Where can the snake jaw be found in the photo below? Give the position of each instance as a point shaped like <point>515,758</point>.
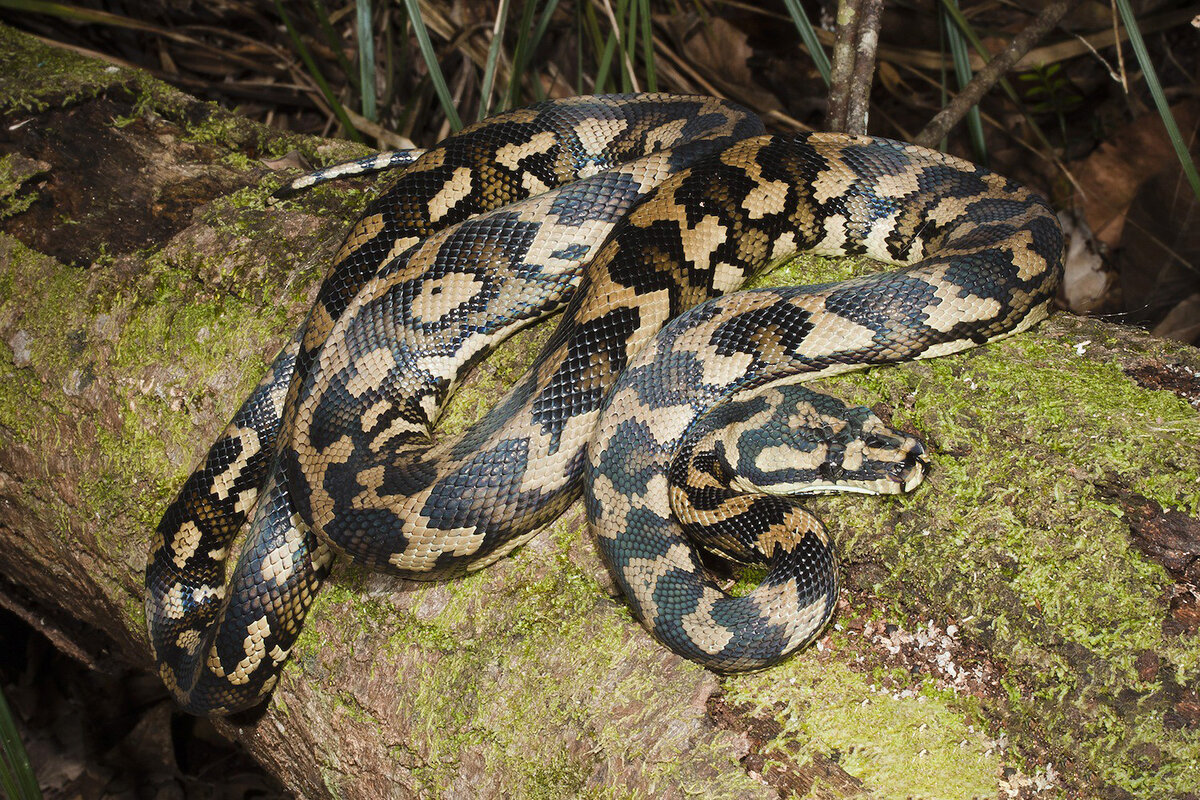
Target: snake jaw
<point>914,469</point>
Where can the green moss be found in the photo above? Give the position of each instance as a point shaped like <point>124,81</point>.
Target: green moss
<point>806,268</point>
<point>1010,530</point>
<point>237,138</point>
<point>333,782</point>
<point>513,679</point>
<point>82,327</point>
<point>20,392</point>
<point>54,338</point>
<point>492,378</point>
<point>36,75</point>
<point>900,744</point>
<point>12,175</point>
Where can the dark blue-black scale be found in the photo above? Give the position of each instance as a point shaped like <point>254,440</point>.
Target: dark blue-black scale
<point>937,181</point>
<point>877,305</point>
<point>671,383</point>
<point>603,197</point>
<point>482,481</point>
<point>599,341</point>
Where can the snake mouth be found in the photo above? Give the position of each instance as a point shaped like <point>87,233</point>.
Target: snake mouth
<point>838,488</point>
<point>914,469</point>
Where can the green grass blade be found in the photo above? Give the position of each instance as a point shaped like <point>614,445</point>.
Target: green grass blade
<point>964,27</point>
<point>543,24</point>
<point>648,46</point>
<point>606,49</point>
<point>520,57</point>
<point>389,66</point>
<point>74,13</point>
<point>311,65</point>
<point>8,779</point>
<point>366,58</point>
<point>333,40</point>
<point>605,62</point>
<point>629,36</point>
<point>962,70</point>
<point>431,63</point>
<point>579,34</point>
<point>16,774</point>
<point>809,36</point>
<point>618,37</point>
<point>600,45</point>
<point>613,47</point>
<point>1156,91</point>
<point>489,71</point>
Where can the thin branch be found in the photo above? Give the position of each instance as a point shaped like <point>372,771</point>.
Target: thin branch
<point>987,77</point>
<point>848,15</point>
<point>858,100</point>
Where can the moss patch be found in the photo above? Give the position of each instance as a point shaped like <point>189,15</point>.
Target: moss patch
<point>36,76</point>
<point>900,744</point>
<point>1010,536</point>
<point>523,679</point>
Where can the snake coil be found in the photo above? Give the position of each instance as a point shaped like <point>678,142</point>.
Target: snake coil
<point>626,212</point>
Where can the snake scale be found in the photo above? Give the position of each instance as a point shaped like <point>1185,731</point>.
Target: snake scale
<point>629,213</point>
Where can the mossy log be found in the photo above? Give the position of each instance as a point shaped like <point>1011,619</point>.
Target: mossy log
<point>1025,620</point>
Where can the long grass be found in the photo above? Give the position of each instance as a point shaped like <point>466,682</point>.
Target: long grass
<point>808,35</point>
<point>1156,91</point>
<point>17,780</point>
<point>617,46</point>
<point>433,64</point>
<point>956,38</point>
<point>302,50</point>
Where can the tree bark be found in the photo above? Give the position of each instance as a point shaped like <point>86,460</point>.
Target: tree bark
<point>1018,604</point>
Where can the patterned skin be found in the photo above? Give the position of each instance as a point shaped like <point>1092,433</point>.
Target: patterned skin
<point>984,260</point>
<point>675,201</point>
<point>219,646</point>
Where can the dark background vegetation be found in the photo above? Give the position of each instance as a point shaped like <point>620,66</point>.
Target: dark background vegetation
<point>1075,117</point>
<point>1076,120</point>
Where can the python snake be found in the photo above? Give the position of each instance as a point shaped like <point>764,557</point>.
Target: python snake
<point>625,212</point>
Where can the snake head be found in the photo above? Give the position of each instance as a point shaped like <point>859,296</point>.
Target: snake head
<point>803,442</point>
<point>874,458</point>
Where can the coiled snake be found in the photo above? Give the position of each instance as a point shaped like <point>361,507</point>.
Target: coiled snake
<point>628,211</point>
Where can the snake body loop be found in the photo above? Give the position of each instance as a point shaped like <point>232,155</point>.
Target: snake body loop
<point>629,211</point>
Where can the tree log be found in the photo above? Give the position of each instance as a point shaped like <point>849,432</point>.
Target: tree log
<point>1028,615</point>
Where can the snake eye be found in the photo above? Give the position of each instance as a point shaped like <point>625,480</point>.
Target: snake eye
<point>878,441</point>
